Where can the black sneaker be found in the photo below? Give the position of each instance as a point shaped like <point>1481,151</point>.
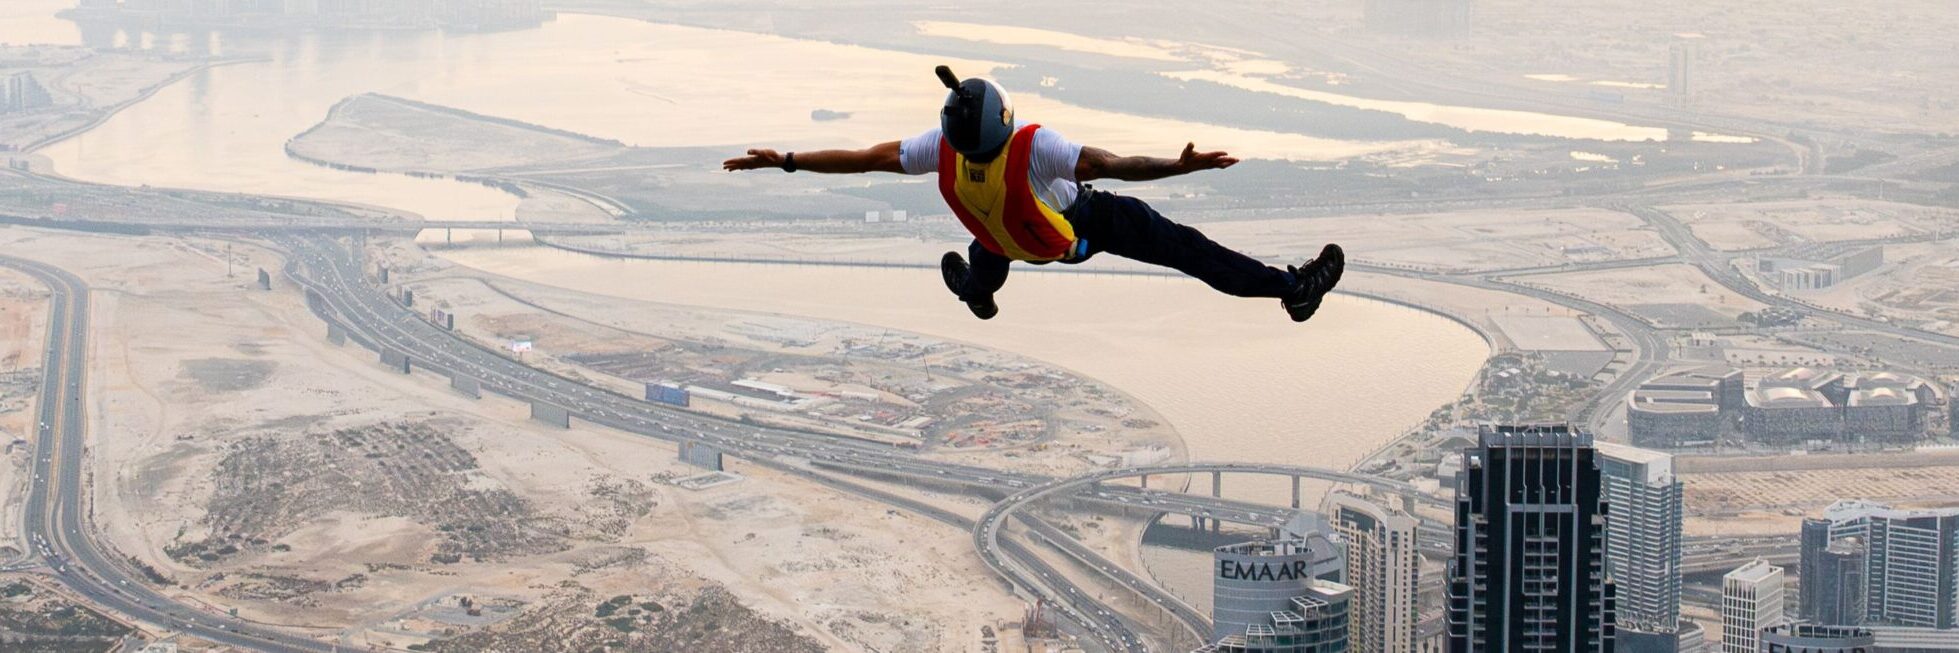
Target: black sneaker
<point>1314,280</point>
<point>953,267</point>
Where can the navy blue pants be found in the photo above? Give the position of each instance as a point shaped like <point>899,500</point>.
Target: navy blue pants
<point>1126,227</point>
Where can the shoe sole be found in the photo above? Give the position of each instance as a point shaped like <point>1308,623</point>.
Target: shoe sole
<point>948,264</point>
<point>1336,257</point>
<point>953,270</point>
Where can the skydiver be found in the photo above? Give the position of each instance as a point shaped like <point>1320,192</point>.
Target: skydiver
<point>1020,189</point>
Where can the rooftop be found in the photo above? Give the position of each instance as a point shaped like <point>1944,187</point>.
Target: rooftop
<point>1643,403</point>
<point>1632,454</point>
<point>1852,509</point>
<point>1754,572</point>
<point>1796,374</point>
<point>1786,397</point>
<point>1532,435</point>
<point>1882,397</point>
<point>1676,396</point>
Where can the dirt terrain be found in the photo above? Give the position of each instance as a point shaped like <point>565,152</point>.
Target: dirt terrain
<point>35,618</point>
<point>243,462</point>
<point>23,321</point>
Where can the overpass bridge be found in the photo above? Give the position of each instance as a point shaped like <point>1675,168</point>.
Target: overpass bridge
<point>988,542</point>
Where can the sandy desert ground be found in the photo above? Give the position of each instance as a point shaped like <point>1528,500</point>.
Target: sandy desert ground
<point>1737,226</point>
<point>23,325</point>
<point>1675,294</point>
<point>1919,283</point>
<point>255,466</point>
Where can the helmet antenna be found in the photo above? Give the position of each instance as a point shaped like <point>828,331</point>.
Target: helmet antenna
<point>946,77</point>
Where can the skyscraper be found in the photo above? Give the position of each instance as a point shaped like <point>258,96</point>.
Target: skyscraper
<point>1911,573</point>
<point>1751,600</point>
<point>1643,536</point>
<point>1841,591</point>
<point>1529,569</point>
<point>1274,597</point>
<point>1383,567</point>
<point>1832,574</point>
<point>21,92</point>
<point>1813,540</point>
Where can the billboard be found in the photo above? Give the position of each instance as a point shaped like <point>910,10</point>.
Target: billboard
<point>668,394</point>
<point>468,386</point>
<point>549,414</point>
<point>701,455</point>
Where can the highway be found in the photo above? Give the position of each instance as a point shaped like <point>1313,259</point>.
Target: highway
<point>337,289</point>
<point>1719,267</point>
<point>340,294</point>
<point>1192,620</point>
<point>1651,349</point>
<point>1091,610</point>
<point>988,535</point>
<point>56,515</point>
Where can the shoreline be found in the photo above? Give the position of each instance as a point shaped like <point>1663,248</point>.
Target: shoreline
<point>292,152</point>
<point>490,278</point>
<point>1139,544</point>
<point>1490,341</point>
<point>145,94</point>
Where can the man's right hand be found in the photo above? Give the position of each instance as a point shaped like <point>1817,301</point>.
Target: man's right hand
<point>755,159</point>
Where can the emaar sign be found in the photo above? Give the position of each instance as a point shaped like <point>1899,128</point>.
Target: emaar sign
<point>1264,571</point>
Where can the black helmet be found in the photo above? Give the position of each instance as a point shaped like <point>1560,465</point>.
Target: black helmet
<point>978,117</point>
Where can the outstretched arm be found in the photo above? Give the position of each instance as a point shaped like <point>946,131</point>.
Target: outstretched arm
<point>1097,163</point>
<point>882,157</point>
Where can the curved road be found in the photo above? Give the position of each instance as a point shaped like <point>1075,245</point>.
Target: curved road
<point>342,297</point>
<point>56,517</point>
<point>988,541</point>
<point>345,299</point>
<point>1718,266</point>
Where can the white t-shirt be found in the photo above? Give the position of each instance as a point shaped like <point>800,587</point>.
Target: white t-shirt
<point>1051,173</point>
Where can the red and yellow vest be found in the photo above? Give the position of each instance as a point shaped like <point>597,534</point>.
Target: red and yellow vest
<point>996,201</point>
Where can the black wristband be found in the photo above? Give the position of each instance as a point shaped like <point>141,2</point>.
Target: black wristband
<point>789,162</point>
